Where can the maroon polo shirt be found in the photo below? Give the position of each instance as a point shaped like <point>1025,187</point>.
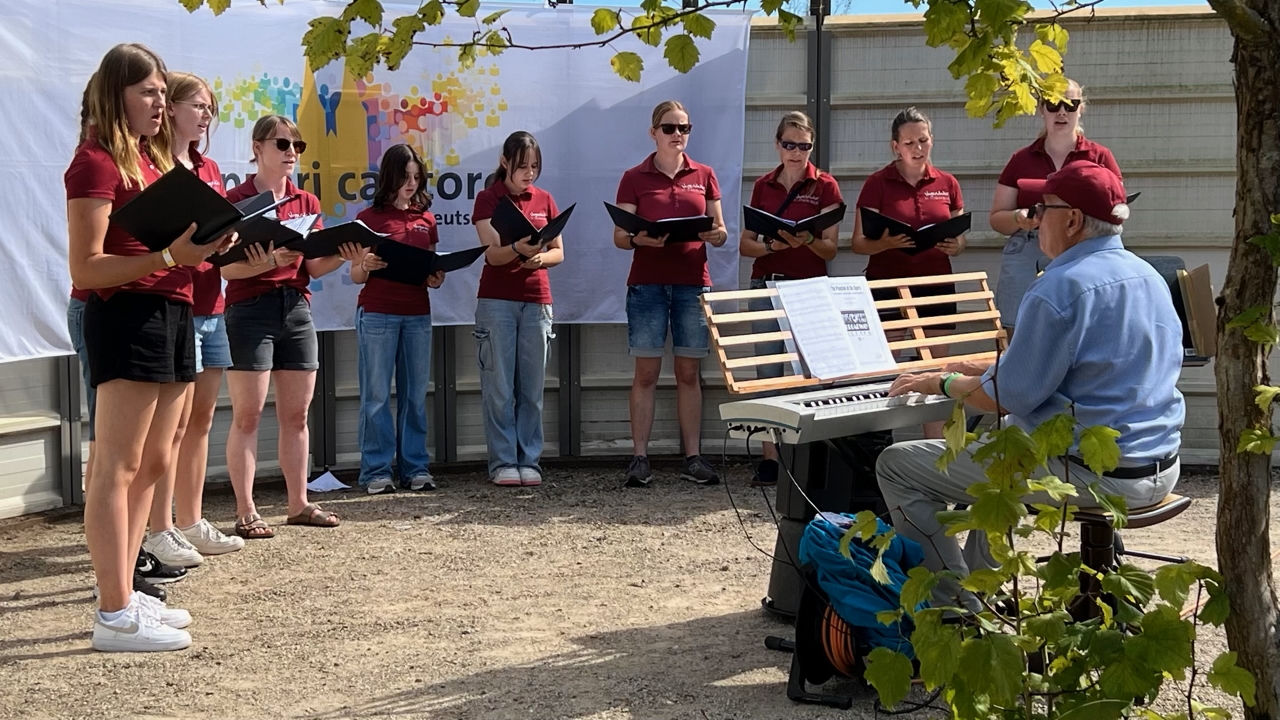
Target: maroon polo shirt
<point>1033,162</point>
<point>934,199</point>
<point>293,275</point>
<point>93,174</point>
<point>414,227</point>
<point>206,278</point>
<point>513,281</point>
<point>818,190</point>
<point>659,197</point>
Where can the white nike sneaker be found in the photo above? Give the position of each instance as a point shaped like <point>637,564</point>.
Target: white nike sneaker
<point>171,548</point>
<point>173,617</point>
<point>137,630</point>
<point>209,540</point>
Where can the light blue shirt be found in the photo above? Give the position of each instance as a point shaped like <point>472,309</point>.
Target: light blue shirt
<point>1097,329</point>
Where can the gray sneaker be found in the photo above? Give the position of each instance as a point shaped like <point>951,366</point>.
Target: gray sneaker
<point>638,472</point>
<point>379,486</point>
<point>422,482</point>
<point>697,470</point>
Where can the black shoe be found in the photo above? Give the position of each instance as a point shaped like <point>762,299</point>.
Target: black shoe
<point>638,472</point>
<point>766,474</point>
<point>141,585</point>
<point>697,470</point>
<point>153,571</point>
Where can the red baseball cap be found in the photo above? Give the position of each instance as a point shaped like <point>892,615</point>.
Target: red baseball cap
<point>1086,186</point>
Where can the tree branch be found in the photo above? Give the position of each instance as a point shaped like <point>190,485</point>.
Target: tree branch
<point>1245,23</point>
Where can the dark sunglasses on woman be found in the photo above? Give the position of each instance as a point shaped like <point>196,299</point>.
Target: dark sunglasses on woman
<point>299,146</point>
<point>1069,105</point>
<point>788,145</point>
<point>672,128</point>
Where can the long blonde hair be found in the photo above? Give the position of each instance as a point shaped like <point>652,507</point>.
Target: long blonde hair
<point>125,65</point>
<point>182,87</point>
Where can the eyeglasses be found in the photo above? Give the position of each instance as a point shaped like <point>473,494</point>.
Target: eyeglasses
<point>673,128</point>
<point>1039,208</point>
<point>1068,105</point>
<point>299,146</point>
<point>201,108</point>
<point>788,145</point>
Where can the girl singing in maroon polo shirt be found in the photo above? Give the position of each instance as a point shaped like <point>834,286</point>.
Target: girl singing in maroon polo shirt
<point>912,191</point>
<point>138,337</point>
<point>513,316</point>
<point>795,190</point>
<point>393,329</point>
<point>1061,141</point>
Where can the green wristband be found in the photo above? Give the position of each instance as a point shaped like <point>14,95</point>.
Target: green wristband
<point>946,383</point>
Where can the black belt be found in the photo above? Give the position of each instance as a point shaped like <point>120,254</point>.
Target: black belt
<point>1133,473</point>
<point>775,277</point>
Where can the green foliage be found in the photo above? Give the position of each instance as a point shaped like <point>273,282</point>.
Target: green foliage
<point>681,52</point>
<point>603,20</point>
<point>889,673</point>
<point>1259,441</point>
<point>1099,450</point>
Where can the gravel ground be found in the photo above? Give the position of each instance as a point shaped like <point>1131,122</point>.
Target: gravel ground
<point>573,600</point>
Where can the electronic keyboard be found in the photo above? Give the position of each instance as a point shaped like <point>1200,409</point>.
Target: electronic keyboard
<point>832,413</point>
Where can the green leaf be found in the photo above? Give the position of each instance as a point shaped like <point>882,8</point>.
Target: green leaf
<point>1130,582</point>
<point>495,42</point>
<point>1053,487</point>
<point>1216,610</point>
<point>917,588</point>
<point>651,6</point>
<point>1048,518</point>
<point>1113,504</point>
<point>1047,59</point>
<point>468,8</point>
<point>997,510</point>
<point>648,28</point>
<point>1056,435</point>
<point>1008,454</point>
<point>1174,582</point>
<point>603,20</point>
<point>1256,440</point>
<point>1050,627</point>
<point>1251,316</point>
<point>1264,334</point>
<point>981,88</point>
<point>681,53</point>
<point>1210,713</point>
<point>937,648</point>
<point>401,41</point>
<point>1104,709</point>
<point>1060,570</point>
<point>971,57</point>
<point>1269,242</point>
<point>993,663</point>
<point>889,673</point>
<point>956,435</point>
<point>789,22</point>
<point>369,11</point>
<point>879,572</point>
<point>191,5</point>
<point>467,55</point>
<point>1099,449</point>
<point>698,25</point>
<point>944,21</point>
<point>984,581</point>
<point>1165,642</point>
<point>889,617</point>
<point>1126,677</point>
<point>1233,680</point>
<point>219,6</point>
<point>1054,34</point>
<point>1266,396</point>
<point>362,54</point>
<point>771,6</point>
<point>1275,219</point>
<point>325,41</point>
<point>494,17</point>
<point>433,12</point>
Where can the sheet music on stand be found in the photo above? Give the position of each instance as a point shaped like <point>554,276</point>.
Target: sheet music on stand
<point>837,332</point>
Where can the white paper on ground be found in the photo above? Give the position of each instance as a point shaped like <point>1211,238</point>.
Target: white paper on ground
<point>326,483</point>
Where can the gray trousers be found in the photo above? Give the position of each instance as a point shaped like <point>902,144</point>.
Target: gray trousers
<point>916,492</point>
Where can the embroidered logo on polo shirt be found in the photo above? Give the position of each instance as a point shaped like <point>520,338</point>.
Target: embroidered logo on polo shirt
<point>693,187</point>
<point>938,195</point>
<point>810,198</point>
<point>539,214</point>
<point>422,227</point>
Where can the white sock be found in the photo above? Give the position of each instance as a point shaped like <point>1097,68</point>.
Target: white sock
<point>110,617</point>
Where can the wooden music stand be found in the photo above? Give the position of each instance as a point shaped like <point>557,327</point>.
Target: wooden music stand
<point>732,332</point>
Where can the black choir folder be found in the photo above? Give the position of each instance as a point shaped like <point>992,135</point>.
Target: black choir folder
<point>513,226</point>
<point>677,230</point>
<point>768,225</point>
<point>263,231</point>
<point>875,226</point>
<point>413,265</point>
<point>167,207</point>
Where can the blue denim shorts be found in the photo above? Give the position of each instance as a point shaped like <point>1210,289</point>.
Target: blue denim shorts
<point>75,326</point>
<point>213,349</point>
<point>651,309</point>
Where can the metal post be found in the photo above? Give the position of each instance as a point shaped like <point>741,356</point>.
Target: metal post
<point>818,87</point>
<point>71,465</point>
<point>444,369</point>
<point>570,397</point>
<point>324,405</point>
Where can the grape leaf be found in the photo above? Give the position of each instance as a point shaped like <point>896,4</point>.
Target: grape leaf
<point>627,65</point>
<point>1055,436</point>
<point>369,11</point>
<point>1234,680</point>
<point>698,25</point>
<point>325,41</point>
<point>1131,582</point>
<point>681,52</point>
<point>1099,449</point>
<point>468,8</point>
<point>937,647</point>
<point>1266,396</point>
<point>603,20</point>
<point>889,673</point>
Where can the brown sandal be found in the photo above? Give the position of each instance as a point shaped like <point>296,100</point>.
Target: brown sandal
<point>312,515</point>
<point>253,527</point>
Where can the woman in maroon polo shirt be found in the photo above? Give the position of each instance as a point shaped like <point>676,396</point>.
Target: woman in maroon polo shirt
<point>272,337</point>
<point>513,316</point>
<point>393,330</point>
<point>138,337</point>
<point>1061,141</point>
<point>911,190</point>
<point>665,286</point>
<point>795,190</point>
<point>180,494</point>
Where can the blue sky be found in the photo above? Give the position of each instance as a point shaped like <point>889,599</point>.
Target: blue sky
<point>876,7</point>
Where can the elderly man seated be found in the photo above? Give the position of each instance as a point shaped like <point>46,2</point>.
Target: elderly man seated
<point>1097,330</point>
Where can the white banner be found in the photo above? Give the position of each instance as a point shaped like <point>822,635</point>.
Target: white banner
<point>591,125</point>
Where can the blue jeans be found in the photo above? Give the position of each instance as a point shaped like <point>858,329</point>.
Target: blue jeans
<point>213,348</point>
<point>399,345</point>
<point>651,309</point>
<point>75,326</point>
<point>512,339</point>
<point>1019,265</point>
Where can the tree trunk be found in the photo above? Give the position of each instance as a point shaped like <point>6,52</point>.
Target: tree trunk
<point>1244,545</point>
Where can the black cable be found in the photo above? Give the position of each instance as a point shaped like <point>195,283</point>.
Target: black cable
<point>906,708</point>
<point>724,463</point>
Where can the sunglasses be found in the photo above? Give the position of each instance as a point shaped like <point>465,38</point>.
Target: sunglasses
<point>788,145</point>
<point>1038,209</point>
<point>1068,105</point>
<point>299,146</point>
<point>673,128</point>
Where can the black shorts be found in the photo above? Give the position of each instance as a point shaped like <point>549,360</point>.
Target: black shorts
<point>923,310</point>
<point>141,337</point>
<point>273,331</point>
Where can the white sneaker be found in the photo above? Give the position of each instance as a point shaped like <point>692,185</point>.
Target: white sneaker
<point>171,548</point>
<point>507,477</point>
<point>173,617</point>
<point>422,482</point>
<point>137,630</point>
<point>209,540</point>
<point>379,486</point>
<point>530,476</point>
